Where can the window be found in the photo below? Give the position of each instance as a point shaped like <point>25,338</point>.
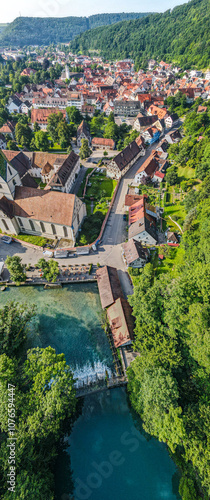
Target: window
<point>14,182</point>
<point>1,187</point>
<point>42,227</point>
<point>32,225</point>
<point>20,222</point>
<point>5,225</point>
<point>65,232</point>
<point>9,170</point>
<point>53,229</point>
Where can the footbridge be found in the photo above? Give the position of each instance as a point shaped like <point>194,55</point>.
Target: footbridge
<point>101,385</point>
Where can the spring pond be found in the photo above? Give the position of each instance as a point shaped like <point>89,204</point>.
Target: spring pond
<point>108,455</point>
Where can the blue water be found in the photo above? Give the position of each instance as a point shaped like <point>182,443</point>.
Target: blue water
<point>70,320</point>
<point>108,455</point>
<point>112,458</point>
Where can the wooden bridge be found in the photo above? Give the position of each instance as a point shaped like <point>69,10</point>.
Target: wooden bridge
<point>100,386</point>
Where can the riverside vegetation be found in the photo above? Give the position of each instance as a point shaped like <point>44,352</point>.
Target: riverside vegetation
<point>44,404</point>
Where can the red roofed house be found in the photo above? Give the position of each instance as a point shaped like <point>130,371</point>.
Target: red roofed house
<point>101,143</point>
<point>41,116</point>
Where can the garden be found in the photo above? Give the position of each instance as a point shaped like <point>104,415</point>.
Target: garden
<point>100,190</point>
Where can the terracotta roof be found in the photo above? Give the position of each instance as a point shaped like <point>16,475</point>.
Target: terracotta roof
<point>10,154</point>
<point>108,285</point>
<point>130,199</point>
<point>41,115</point>
<point>136,211</point>
<point>150,165</point>
<point>121,322</point>
<point>44,205</point>
<point>100,141</point>
<point>40,158</point>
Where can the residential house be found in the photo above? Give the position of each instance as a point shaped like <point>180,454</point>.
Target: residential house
<point>3,142</point>
<point>171,120</point>
<point>173,136</point>
<point>151,134</point>
<point>15,171</point>
<point>134,254</point>
<point>143,122</point>
<point>8,129</point>
<point>14,105</point>
<point>148,168</point>
<point>142,226</point>
<point>126,108</point>
<point>119,165</point>
<point>101,143</point>
<point>64,177</point>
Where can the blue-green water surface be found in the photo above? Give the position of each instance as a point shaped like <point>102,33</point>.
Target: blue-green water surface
<point>113,459</point>
<point>108,455</point>
<point>70,320</point>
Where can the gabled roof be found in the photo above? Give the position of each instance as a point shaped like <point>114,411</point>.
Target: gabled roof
<point>62,175</point>
<point>127,155</point>
<point>83,129</point>
<point>44,204</point>
<point>108,285</point>
<point>121,322</point>
<point>133,250</point>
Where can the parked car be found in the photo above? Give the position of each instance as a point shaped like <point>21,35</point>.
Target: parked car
<point>124,217</point>
<point>6,239</point>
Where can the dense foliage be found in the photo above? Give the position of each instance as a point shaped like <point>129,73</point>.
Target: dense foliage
<point>44,403</point>
<point>180,35</point>
<point>44,31</point>
<point>16,268</point>
<point>169,381</point>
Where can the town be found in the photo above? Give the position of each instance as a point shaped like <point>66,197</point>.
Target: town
<point>97,124</point>
<point>104,191</point>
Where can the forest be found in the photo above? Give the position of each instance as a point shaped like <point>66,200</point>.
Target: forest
<point>180,35</point>
<point>169,380</point>
<point>44,31</point>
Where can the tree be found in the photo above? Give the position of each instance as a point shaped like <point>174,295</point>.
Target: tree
<point>52,124</point>
<point>12,146</point>
<point>16,269</point>
<point>74,115</point>
<point>14,319</point>
<point>41,141</point>
<point>23,134</point>
<point>50,269</point>
<point>190,200</point>
<point>171,176</point>
<point>85,151</point>
<point>36,127</point>
<point>63,132</point>
<point>45,400</point>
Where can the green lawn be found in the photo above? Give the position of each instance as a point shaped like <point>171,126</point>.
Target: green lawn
<point>177,212</point>
<point>185,173</point>
<point>81,189</point>
<point>173,257</point>
<point>101,187</point>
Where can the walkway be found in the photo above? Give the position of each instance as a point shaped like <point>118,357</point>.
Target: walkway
<point>101,386</point>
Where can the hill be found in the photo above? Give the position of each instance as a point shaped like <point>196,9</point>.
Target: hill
<point>43,31</point>
<point>181,35</point>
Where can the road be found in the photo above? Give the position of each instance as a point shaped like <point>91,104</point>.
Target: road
<point>110,251</point>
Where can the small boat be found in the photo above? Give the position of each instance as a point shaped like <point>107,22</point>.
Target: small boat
<point>52,285</point>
